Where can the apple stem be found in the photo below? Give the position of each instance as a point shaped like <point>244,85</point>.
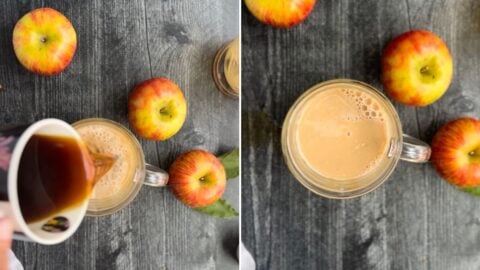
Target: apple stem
<point>474,153</point>
<point>43,39</point>
<point>426,71</point>
<point>163,111</point>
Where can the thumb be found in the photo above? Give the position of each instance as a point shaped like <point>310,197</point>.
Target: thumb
<point>6,231</point>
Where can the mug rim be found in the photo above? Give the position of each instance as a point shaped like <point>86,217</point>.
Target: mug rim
<point>299,176</point>
<point>13,180</point>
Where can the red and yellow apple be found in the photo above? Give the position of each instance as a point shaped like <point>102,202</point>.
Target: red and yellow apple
<point>44,41</point>
<point>417,68</point>
<point>197,178</point>
<point>456,152</point>
<point>280,13</point>
<point>157,109</point>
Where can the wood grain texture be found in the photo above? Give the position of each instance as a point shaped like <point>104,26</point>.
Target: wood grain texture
<point>120,44</point>
<point>415,220</point>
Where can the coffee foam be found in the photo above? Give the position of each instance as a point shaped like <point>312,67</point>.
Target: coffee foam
<point>102,138</point>
<point>342,133</point>
<point>369,108</point>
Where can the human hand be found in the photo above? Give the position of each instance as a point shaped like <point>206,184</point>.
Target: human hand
<point>6,232</point>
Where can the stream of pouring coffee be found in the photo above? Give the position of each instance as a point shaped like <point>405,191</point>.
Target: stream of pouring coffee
<point>103,163</point>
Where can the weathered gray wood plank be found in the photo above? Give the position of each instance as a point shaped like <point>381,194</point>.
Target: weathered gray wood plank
<point>415,220</point>
<point>120,44</point>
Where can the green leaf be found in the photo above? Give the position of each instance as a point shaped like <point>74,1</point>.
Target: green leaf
<point>230,163</point>
<point>221,209</point>
<point>472,190</point>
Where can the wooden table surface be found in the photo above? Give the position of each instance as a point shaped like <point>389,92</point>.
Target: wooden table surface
<point>121,43</point>
<point>415,220</point>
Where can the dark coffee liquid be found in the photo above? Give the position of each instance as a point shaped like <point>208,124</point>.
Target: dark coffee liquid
<point>55,173</point>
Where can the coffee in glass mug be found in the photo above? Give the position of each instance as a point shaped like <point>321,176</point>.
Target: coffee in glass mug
<point>120,185</point>
<point>343,138</point>
<point>226,69</point>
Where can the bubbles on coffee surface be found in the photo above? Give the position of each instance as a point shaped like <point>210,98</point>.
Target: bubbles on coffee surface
<point>372,164</point>
<point>369,108</point>
<point>106,139</point>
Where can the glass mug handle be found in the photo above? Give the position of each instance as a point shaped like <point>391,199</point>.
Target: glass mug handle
<point>415,150</point>
<point>155,176</point>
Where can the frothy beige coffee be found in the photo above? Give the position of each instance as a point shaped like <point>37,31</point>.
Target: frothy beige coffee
<point>341,138</point>
<point>118,184</point>
<point>342,133</point>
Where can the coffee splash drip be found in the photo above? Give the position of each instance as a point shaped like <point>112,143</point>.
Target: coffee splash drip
<point>103,163</point>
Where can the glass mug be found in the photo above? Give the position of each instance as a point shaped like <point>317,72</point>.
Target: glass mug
<point>400,146</point>
<point>118,187</point>
<point>226,69</point>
